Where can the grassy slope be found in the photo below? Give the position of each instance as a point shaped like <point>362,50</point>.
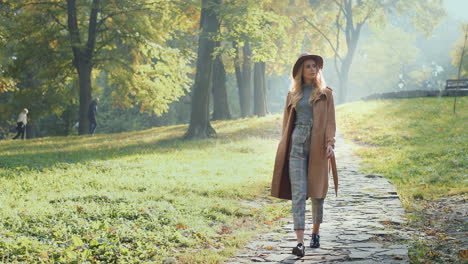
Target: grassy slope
<point>140,197</point>
<point>421,146</point>
<point>418,143</point>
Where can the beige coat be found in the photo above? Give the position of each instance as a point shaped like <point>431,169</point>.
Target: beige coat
<point>323,134</point>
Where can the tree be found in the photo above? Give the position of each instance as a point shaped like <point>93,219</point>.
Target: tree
<point>349,17</point>
<point>260,107</point>
<point>382,58</point>
<point>460,55</point>
<point>220,98</point>
<point>254,33</point>
<point>200,126</point>
<point>131,40</point>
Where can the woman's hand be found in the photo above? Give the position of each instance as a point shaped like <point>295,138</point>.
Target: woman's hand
<point>330,151</point>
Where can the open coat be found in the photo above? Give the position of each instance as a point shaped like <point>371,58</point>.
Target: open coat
<point>323,134</point>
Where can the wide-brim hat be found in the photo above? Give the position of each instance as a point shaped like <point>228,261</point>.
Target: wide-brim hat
<point>307,56</point>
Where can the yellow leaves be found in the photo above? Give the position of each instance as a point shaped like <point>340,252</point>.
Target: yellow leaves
<point>433,254</point>
<point>181,226</point>
<point>442,236</point>
<point>463,253</point>
<point>430,233</point>
<point>53,44</point>
<point>268,222</point>
<point>269,247</point>
<point>44,255</point>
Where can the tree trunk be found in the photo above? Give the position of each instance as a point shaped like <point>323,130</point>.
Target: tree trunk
<point>244,80</point>
<point>200,126</point>
<point>352,37</point>
<point>260,107</point>
<point>220,99</point>
<point>82,57</point>
<point>84,77</point>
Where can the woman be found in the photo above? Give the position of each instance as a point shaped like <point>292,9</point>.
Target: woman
<point>21,124</point>
<point>305,153</point>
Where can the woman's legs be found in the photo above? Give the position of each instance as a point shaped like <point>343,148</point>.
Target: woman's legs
<point>317,214</point>
<point>300,235</point>
<point>316,229</point>
<point>298,162</point>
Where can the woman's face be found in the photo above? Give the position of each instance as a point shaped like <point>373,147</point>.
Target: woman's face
<point>309,70</point>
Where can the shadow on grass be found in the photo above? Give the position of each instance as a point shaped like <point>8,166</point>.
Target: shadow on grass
<point>37,154</point>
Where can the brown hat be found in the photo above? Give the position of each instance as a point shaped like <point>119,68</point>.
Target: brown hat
<point>306,56</point>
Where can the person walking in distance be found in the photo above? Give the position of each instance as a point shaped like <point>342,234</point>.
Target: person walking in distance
<point>305,152</point>
<point>92,113</point>
<point>21,124</point>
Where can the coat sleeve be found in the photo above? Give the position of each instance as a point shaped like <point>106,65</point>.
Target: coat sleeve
<point>285,115</point>
<point>331,124</point>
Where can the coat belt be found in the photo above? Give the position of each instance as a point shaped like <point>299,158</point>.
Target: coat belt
<point>332,167</point>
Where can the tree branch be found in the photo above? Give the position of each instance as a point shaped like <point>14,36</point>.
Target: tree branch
<point>341,6</point>
<point>73,30</point>
<point>92,29</point>
<point>110,15</point>
<point>323,35</point>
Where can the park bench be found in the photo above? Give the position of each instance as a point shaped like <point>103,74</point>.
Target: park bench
<point>456,84</point>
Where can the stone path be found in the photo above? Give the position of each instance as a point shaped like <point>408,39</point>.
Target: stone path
<point>364,224</point>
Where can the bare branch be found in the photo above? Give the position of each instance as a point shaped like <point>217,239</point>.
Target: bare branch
<point>323,35</point>
<point>341,6</point>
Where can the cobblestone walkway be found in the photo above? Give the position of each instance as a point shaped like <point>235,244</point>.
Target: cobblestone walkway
<point>364,224</point>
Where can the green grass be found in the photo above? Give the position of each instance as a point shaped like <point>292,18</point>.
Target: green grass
<point>137,197</point>
<point>141,197</point>
<point>418,143</point>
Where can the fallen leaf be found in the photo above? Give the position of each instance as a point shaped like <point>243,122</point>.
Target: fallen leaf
<point>225,230</point>
<point>180,226</point>
<point>463,253</point>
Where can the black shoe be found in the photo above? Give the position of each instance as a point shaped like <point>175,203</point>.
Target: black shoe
<point>299,250</point>
<point>315,242</point>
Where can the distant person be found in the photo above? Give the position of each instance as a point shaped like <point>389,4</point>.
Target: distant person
<point>306,150</point>
<point>21,124</point>
<point>92,112</point>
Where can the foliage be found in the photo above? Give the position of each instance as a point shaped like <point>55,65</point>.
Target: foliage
<point>264,25</point>
<point>135,45</point>
<point>384,56</point>
<point>457,53</point>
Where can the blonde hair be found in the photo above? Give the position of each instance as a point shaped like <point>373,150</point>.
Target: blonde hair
<point>296,87</point>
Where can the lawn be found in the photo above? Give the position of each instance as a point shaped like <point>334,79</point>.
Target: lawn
<point>421,146</point>
<point>418,143</point>
<point>137,197</point>
<point>146,196</point>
